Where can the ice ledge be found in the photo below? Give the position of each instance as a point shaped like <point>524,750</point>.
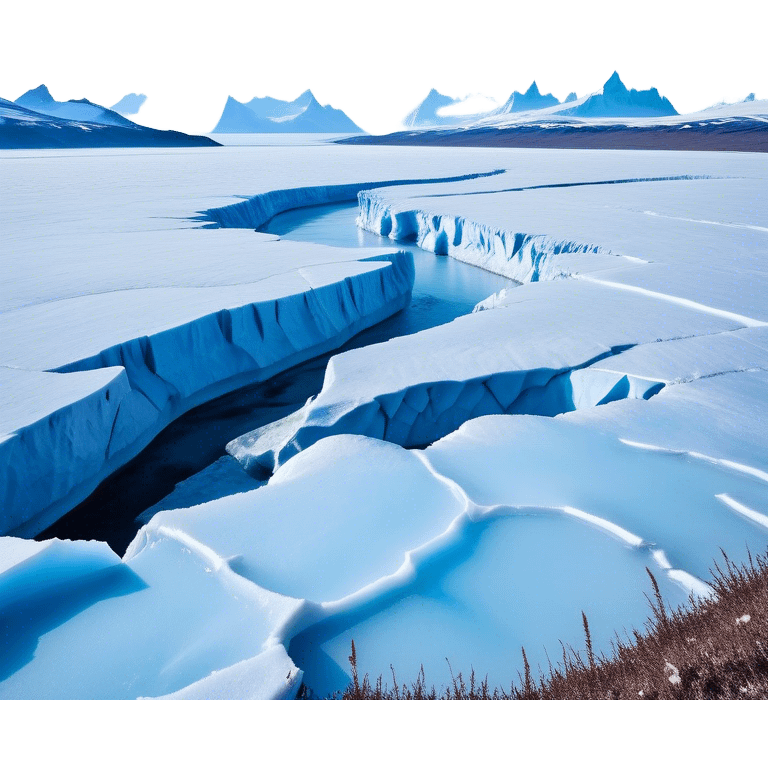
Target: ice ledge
<point>49,465</point>
<point>427,411</point>
<point>525,258</point>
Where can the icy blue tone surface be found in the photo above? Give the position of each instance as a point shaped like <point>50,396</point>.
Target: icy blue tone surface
<point>460,491</point>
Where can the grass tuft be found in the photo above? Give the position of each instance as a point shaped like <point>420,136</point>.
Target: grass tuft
<point>713,648</point>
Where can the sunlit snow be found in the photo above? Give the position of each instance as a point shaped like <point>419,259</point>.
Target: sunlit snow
<point>463,488</point>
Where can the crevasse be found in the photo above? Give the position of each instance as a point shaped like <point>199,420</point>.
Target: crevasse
<point>526,258</point>
<point>49,466</point>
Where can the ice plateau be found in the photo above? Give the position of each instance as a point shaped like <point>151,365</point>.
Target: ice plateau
<point>458,492</point>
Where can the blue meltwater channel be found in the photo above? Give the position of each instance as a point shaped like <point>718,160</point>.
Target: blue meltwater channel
<point>444,288</point>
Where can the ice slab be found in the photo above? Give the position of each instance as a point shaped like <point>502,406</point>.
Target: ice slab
<point>336,519</point>
<point>517,579</point>
<point>699,236</point>
<point>415,389</point>
<point>668,500</point>
<point>54,431</point>
<point>225,477</point>
<point>178,347</point>
<point>722,417</point>
<point>173,617</point>
<point>44,584</point>
<point>270,675</point>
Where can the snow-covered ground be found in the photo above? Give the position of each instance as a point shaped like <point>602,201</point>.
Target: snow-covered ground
<point>605,417</point>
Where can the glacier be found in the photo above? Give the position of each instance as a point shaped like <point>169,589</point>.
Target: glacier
<point>178,314</point>
<point>457,492</point>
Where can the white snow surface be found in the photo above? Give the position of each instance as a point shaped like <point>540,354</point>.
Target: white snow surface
<point>728,100</point>
<point>640,327</point>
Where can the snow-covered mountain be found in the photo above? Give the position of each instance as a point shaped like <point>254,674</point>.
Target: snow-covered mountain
<point>40,100</point>
<point>531,99</point>
<point>430,108</point>
<point>267,115</point>
<point>22,127</point>
<point>130,104</point>
<point>616,100</point>
<point>726,101</point>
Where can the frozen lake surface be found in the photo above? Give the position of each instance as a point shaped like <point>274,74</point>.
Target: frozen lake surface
<point>443,482</point>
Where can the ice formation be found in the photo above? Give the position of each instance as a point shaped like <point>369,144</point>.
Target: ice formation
<point>615,101</point>
<point>458,492</point>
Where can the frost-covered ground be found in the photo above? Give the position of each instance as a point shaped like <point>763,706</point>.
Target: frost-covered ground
<point>458,492</point>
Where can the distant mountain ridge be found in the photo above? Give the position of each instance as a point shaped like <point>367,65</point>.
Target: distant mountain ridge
<point>40,100</point>
<point>268,115</point>
<point>531,99</point>
<point>46,127</point>
<point>615,100</point>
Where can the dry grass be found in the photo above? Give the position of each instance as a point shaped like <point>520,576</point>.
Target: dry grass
<point>714,648</point>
